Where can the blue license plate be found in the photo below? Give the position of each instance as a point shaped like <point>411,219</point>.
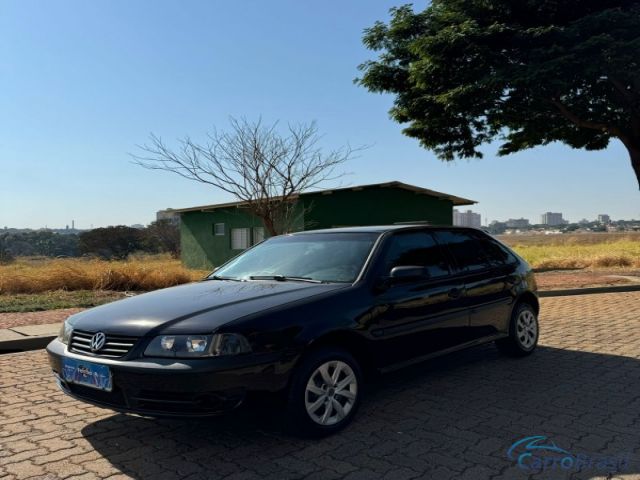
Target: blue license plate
<point>86,373</point>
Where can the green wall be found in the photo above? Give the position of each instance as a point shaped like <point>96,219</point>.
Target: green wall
<point>369,206</point>
<point>200,247</point>
<point>374,206</point>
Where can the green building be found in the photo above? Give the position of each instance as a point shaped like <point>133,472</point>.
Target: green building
<point>212,234</point>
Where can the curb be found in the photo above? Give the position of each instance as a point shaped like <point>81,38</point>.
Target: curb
<point>589,291</point>
<point>25,344</point>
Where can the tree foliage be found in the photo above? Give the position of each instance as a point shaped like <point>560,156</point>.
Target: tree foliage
<point>255,163</point>
<point>166,236</point>
<point>45,243</point>
<point>530,72</point>
<point>113,242</point>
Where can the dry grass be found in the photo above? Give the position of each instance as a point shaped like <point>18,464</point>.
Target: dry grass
<point>137,274</point>
<point>592,251</point>
<point>145,273</point>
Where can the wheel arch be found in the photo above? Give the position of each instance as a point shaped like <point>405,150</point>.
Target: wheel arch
<point>352,342</point>
<point>528,298</point>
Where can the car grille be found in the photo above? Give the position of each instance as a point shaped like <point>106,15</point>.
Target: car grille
<point>115,345</point>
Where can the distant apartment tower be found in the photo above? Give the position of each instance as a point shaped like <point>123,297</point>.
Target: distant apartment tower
<point>551,219</point>
<point>467,219</point>
<point>604,218</point>
<point>168,214</point>
<point>518,223</point>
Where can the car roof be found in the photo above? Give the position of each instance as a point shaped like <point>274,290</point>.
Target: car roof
<point>381,228</point>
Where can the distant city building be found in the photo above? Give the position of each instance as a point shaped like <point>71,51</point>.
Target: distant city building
<point>168,214</point>
<point>552,219</point>
<point>139,226</point>
<point>604,218</point>
<point>467,219</point>
<point>518,223</point>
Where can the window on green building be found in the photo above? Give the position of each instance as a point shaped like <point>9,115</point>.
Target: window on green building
<point>240,238</point>
<point>218,229</point>
<point>258,234</point>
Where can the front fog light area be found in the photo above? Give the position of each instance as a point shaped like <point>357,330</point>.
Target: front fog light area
<point>185,346</point>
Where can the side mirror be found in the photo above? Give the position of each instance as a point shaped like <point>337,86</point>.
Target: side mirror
<point>408,273</point>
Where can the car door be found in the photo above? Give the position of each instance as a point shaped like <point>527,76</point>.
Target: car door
<point>505,279</point>
<point>422,315</point>
<point>487,296</point>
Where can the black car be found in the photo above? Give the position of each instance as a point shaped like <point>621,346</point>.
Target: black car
<point>306,314</point>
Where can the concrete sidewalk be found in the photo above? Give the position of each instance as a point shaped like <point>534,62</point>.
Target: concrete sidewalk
<point>29,337</point>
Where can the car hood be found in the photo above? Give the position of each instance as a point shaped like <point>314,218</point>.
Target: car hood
<point>193,308</point>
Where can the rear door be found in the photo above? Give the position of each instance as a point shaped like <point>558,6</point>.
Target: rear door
<point>487,296</point>
<point>484,276</point>
<point>418,317</point>
<point>505,274</point>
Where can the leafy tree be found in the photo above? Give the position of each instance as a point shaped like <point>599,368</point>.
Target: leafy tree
<point>6,256</point>
<point>166,236</point>
<point>530,72</point>
<point>41,242</point>
<point>112,242</point>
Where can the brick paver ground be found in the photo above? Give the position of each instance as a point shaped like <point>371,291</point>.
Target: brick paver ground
<point>10,320</point>
<point>454,417</point>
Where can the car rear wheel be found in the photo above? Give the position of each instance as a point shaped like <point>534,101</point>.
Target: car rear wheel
<point>523,332</point>
<point>325,392</point>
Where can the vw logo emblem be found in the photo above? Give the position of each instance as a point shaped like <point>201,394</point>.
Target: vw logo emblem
<point>98,341</point>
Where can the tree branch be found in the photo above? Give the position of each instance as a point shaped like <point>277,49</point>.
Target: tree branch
<point>258,166</point>
<point>569,115</point>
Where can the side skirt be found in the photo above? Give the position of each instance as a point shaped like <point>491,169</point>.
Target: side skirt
<point>439,353</point>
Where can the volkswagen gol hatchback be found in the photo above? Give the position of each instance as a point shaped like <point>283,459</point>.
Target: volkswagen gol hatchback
<point>306,314</point>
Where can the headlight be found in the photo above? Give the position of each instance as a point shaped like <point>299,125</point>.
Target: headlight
<point>65,332</point>
<point>187,346</point>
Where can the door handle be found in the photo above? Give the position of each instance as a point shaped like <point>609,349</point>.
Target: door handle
<point>455,292</point>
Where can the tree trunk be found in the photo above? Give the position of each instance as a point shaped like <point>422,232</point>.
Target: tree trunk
<point>634,154</point>
<point>268,224</point>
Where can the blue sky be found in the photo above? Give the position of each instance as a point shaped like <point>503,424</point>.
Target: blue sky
<point>81,83</point>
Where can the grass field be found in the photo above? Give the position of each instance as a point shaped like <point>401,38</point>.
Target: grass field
<point>592,251</point>
<point>40,284</point>
<point>36,302</point>
<point>29,275</point>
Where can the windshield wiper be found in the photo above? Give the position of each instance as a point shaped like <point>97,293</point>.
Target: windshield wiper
<point>284,278</point>
<point>218,277</point>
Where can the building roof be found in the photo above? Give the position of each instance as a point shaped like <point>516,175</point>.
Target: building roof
<point>404,186</point>
<point>382,228</point>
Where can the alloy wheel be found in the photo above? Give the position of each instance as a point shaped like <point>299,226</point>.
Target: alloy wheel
<point>527,329</point>
<point>331,392</point>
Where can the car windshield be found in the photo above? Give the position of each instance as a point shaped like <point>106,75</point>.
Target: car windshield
<point>323,257</point>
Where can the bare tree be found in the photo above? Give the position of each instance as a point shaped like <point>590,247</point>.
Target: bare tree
<point>261,168</point>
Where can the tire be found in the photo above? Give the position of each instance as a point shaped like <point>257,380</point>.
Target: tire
<point>317,407</point>
<point>523,332</point>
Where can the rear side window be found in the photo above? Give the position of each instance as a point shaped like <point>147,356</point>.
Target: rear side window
<point>496,253</point>
<point>466,248</point>
<point>418,249</point>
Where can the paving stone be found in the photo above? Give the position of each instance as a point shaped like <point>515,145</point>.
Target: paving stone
<point>453,417</point>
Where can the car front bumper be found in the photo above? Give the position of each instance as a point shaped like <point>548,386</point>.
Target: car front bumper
<point>176,387</point>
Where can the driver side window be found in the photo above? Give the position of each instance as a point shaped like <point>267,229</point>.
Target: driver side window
<point>415,249</point>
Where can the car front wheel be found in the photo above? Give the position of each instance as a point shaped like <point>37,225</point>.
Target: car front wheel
<point>325,392</point>
<point>523,332</point>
